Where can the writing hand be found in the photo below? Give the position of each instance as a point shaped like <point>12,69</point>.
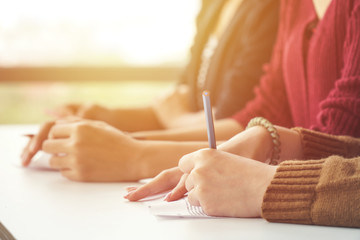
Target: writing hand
<point>224,184</point>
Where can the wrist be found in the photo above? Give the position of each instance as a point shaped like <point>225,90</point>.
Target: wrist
<point>254,143</point>
<point>266,144</point>
<point>142,163</point>
<point>151,158</point>
<point>292,145</point>
<point>268,176</point>
<point>273,133</point>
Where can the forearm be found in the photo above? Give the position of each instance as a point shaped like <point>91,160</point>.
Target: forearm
<point>155,156</point>
<point>317,145</point>
<point>256,143</point>
<point>224,129</point>
<point>134,119</point>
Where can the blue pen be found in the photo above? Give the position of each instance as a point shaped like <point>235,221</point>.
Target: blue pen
<point>209,119</point>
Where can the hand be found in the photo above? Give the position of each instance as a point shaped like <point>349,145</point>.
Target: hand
<point>35,143</point>
<point>164,181</point>
<point>86,111</point>
<point>172,106</point>
<point>93,151</point>
<point>246,143</point>
<point>64,110</point>
<point>225,184</point>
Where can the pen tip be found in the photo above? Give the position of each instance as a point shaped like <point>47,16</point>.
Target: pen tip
<point>206,93</point>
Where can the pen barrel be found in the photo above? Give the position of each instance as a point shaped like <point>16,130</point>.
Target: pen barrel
<point>209,120</point>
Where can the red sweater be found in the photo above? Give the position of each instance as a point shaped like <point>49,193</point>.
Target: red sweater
<point>313,80</point>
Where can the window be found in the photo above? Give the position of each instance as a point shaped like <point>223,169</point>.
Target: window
<point>98,32</point>
<point>100,51</point>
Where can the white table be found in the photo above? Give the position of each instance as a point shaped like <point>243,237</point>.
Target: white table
<point>44,205</point>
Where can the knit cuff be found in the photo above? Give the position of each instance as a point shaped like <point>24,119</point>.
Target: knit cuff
<point>291,193</point>
<point>317,145</point>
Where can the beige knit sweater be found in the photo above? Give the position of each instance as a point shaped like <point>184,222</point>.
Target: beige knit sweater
<point>322,189</point>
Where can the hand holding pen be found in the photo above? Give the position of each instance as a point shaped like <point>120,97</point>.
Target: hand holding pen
<point>186,165</point>
<point>209,119</point>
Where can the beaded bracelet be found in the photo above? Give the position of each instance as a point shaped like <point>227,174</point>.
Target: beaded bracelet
<point>260,121</point>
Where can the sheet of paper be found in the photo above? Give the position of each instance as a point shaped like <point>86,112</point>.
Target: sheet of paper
<point>41,161</point>
<point>179,208</point>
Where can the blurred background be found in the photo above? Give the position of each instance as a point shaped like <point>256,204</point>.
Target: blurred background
<point>110,52</point>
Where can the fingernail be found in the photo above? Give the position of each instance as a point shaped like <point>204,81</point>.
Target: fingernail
<point>28,135</point>
<point>167,197</point>
<point>129,189</point>
<point>128,195</point>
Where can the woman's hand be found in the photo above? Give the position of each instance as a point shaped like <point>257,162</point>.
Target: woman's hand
<point>225,184</point>
<point>35,143</point>
<point>93,151</point>
<point>125,119</point>
<point>69,112</point>
<point>164,181</point>
<point>86,111</point>
<point>172,106</point>
<point>64,111</point>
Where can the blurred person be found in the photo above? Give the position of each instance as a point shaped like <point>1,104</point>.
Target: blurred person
<point>234,39</point>
<point>314,177</point>
<point>311,82</point>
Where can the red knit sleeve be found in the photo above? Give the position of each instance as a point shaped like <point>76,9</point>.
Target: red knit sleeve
<point>340,111</point>
<point>270,96</point>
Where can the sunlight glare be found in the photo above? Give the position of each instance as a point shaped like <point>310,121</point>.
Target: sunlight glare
<point>107,32</point>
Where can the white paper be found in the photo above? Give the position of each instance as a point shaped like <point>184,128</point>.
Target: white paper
<point>41,161</point>
<point>179,208</point>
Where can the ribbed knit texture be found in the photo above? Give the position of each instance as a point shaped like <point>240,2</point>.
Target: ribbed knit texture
<point>320,192</point>
<point>317,87</point>
<point>318,145</point>
<point>324,191</point>
<point>291,194</point>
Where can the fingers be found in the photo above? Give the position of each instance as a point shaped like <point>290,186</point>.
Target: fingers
<point>69,174</point>
<point>63,111</point>
<point>55,146</point>
<point>179,191</point>
<point>187,163</point>
<point>189,183</point>
<point>60,163</point>
<point>60,131</point>
<point>166,180</point>
<point>90,111</point>
<point>35,143</point>
<point>25,151</point>
<point>130,189</point>
<point>193,197</point>
<point>69,119</point>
